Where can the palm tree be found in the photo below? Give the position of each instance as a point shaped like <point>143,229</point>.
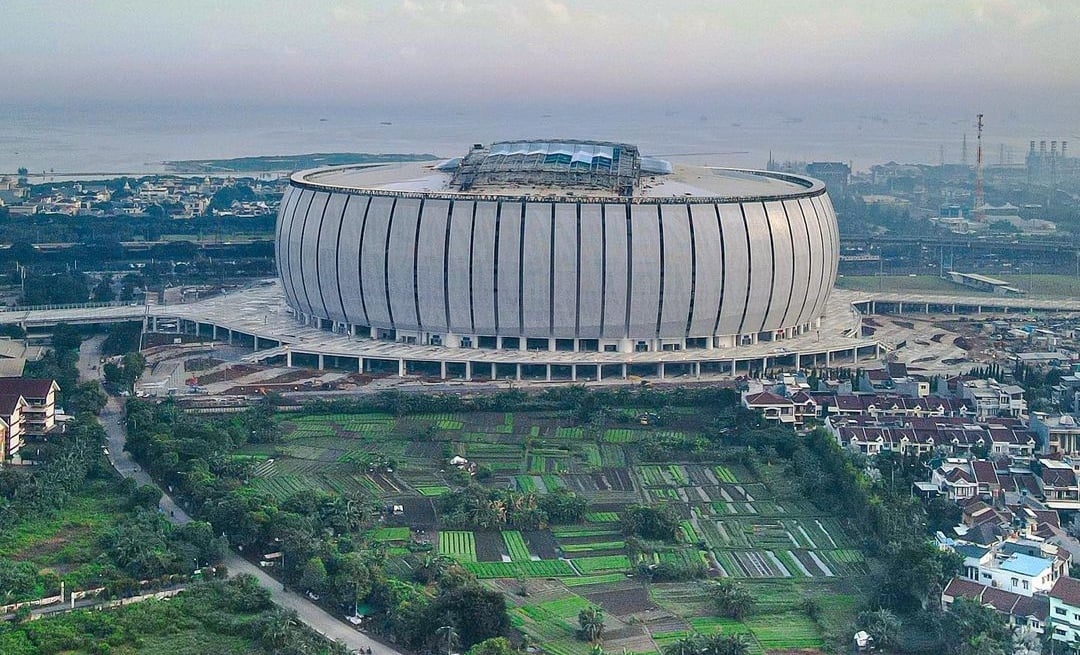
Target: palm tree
<point>591,620</point>
<point>720,644</point>
<point>688,645</point>
<point>448,636</point>
<point>882,625</point>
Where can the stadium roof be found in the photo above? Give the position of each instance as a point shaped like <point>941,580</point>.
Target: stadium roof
<point>684,184</point>
<point>613,167</point>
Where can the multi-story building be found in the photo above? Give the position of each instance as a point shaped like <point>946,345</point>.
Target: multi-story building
<point>1058,435</point>
<point>40,395</point>
<point>12,408</point>
<point>992,398</point>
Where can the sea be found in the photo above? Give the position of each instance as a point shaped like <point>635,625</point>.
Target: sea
<point>92,141</point>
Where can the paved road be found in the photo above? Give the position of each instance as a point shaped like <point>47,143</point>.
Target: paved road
<point>314,616</point>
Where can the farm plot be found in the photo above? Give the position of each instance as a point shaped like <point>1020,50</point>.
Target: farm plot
<point>530,569</point>
<point>604,564</point>
<point>515,546</point>
<point>489,547</point>
<point>458,544</point>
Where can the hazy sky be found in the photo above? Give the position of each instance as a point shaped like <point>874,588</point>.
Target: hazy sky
<point>1015,54</point>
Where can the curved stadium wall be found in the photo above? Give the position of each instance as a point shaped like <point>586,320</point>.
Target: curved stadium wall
<point>644,273</point>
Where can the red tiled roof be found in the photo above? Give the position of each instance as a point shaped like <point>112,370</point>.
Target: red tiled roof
<point>958,474</point>
<point>1067,590</point>
<point>766,398</point>
<point>961,588</point>
<point>985,472</point>
<point>8,403</point>
<point>1056,477</point>
<point>27,387</point>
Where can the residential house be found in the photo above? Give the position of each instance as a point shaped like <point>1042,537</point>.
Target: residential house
<point>773,407</point>
<point>1058,434</point>
<point>1031,611</point>
<point>1064,613</point>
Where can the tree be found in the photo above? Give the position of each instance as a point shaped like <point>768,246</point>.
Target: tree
<point>651,522</point>
<point>591,621</point>
<point>448,637</point>
<point>882,625</point>
<point>147,496</point>
<point>313,577</point>
<point>732,599</point>
<point>493,646</point>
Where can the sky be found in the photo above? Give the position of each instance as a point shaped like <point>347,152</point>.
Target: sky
<point>1014,55</point>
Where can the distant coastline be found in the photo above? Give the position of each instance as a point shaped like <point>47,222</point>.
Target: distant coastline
<point>286,163</point>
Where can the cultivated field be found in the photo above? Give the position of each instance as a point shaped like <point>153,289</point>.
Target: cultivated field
<point>735,522</point>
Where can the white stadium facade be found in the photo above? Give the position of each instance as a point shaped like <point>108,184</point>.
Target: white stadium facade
<point>581,249</point>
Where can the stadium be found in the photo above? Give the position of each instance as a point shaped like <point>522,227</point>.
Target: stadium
<point>558,246</point>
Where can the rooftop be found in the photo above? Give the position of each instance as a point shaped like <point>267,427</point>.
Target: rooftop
<point>574,170</point>
<point>1025,564</point>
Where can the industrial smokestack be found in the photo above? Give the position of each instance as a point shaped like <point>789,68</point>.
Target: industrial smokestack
<point>1042,147</point>
<point>1032,151</point>
<point>1053,148</point>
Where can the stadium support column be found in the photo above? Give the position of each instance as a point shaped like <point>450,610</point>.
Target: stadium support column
<point>322,361</point>
<point>547,372</point>
<point>517,375</point>
<point>213,331</point>
<point>442,370</point>
<point>468,371</point>
<point>660,370</point>
<point>599,372</point>
<point>359,364</point>
<point>288,358</point>
<point>401,368</point>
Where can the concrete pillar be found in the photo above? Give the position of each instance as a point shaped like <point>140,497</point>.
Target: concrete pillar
<point>213,329</point>
<point>255,342</point>
<point>599,372</point>
<point>517,376</point>
<point>401,368</point>
<point>573,372</point>
<point>442,370</point>
<point>547,372</point>
<point>551,345</point>
<point>288,358</point>
<point>697,369</point>
<point>493,371</point>
<point>360,364</point>
<point>468,371</point>
<point>660,370</point>
<point>624,371</point>
<point>828,359</point>
<point>322,362</point>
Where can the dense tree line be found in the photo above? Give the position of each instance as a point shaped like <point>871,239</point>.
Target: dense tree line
<point>221,612</point>
<point>491,509</point>
<point>321,536</point>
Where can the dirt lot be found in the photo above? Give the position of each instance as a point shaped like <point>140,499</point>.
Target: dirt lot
<point>623,602</point>
<point>489,546</point>
<point>541,544</point>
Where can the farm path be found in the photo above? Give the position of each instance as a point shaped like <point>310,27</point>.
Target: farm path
<point>314,616</point>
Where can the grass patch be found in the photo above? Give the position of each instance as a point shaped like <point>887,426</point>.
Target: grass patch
<point>605,564</point>
<point>538,569</point>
